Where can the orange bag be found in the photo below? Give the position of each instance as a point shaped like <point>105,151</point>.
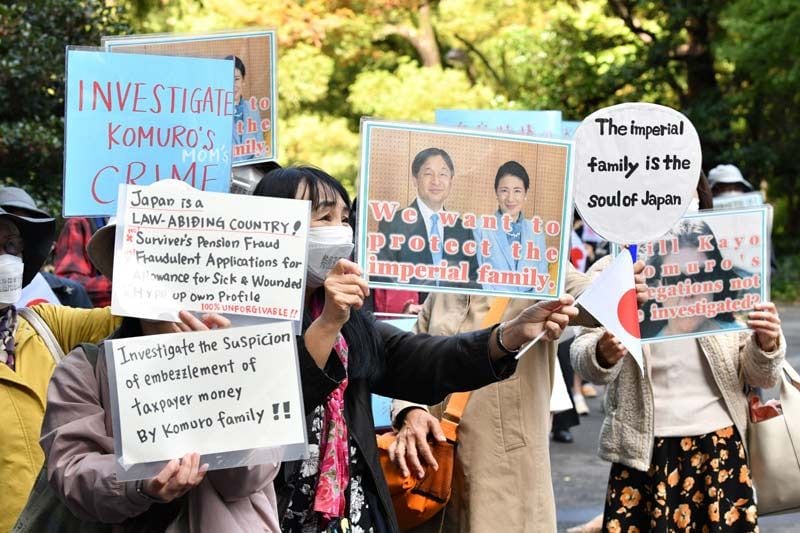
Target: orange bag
<point>415,500</point>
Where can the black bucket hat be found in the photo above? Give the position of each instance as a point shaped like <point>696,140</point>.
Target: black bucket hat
<point>37,229</point>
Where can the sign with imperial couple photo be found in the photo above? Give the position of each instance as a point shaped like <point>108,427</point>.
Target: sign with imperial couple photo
<point>445,209</point>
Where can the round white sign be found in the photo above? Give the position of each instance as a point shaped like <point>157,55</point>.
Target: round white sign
<point>636,170</point>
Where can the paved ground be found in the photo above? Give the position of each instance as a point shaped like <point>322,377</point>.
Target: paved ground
<point>579,476</point>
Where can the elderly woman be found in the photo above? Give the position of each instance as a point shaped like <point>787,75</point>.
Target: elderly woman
<point>514,231</point>
<point>26,360</point>
<point>345,355</point>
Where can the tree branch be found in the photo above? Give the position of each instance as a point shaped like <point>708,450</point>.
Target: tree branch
<point>483,59</point>
<point>624,10</point>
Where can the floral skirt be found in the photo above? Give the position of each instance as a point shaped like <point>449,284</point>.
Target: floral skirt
<point>694,484</point>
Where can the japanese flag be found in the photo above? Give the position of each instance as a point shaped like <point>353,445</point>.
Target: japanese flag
<point>611,299</point>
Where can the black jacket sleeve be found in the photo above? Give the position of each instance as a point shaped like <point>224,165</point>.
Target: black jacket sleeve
<point>317,383</point>
<point>424,369</point>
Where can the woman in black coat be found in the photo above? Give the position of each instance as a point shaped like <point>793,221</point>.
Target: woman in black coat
<point>345,355</point>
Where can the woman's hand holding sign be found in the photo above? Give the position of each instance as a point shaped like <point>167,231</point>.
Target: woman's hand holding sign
<point>176,479</point>
<point>766,325</point>
<point>640,282</point>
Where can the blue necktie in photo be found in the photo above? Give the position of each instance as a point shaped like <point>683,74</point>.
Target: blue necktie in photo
<point>437,255</point>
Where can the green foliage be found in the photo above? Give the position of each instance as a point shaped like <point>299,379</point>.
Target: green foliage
<point>304,73</point>
<point>322,141</point>
<point>729,65</point>
<point>33,38</point>
<point>414,93</point>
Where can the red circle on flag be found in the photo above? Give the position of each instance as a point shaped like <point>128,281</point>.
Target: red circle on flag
<point>628,313</point>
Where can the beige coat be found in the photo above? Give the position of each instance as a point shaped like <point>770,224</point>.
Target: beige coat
<point>78,441</point>
<point>628,428</point>
<point>502,473</point>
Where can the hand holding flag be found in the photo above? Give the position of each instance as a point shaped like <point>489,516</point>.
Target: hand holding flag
<point>612,300</point>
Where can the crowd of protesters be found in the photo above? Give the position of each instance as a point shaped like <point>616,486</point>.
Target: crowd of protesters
<point>665,437</point>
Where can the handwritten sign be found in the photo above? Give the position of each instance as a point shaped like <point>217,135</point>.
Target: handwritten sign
<point>141,119</point>
<point>255,80</point>
<point>467,211</point>
<point>534,123</point>
<point>180,248</point>
<point>636,170</point>
<point>705,274</point>
<point>207,392</point>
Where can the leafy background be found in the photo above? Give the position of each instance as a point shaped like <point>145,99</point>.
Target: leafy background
<point>731,66</point>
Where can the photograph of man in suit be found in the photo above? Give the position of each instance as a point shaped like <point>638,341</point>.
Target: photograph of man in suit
<point>433,173</point>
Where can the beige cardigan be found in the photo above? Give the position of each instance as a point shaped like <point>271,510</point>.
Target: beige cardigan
<point>627,434</point>
<point>501,479</point>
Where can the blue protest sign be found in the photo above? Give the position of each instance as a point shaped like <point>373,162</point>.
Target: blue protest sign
<point>568,128</point>
<point>140,119</point>
<point>537,123</point>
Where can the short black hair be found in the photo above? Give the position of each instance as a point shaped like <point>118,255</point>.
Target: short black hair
<point>238,64</point>
<point>515,169</point>
<point>426,154</point>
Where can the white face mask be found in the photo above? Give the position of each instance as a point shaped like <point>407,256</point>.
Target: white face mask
<point>326,245</point>
<point>11,268</point>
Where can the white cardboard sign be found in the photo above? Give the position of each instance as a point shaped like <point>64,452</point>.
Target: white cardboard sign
<point>180,248</point>
<point>636,170</point>
<point>208,392</point>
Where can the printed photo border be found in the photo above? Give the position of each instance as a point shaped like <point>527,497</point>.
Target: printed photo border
<point>368,129</point>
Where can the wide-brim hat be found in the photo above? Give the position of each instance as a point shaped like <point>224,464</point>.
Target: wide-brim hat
<point>727,174</point>
<point>38,234</point>
<point>101,248</point>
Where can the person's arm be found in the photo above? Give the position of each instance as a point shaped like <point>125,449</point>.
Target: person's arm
<point>424,369</point>
<point>72,326</point>
<point>72,262</point>
<point>80,454</point>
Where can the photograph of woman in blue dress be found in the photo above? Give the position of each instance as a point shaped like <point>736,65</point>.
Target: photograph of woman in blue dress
<point>511,185</point>
<point>246,119</point>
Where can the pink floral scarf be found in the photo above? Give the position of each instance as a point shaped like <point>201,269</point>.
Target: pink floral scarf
<point>334,469</point>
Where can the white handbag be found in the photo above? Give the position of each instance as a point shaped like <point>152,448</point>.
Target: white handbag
<point>774,446</point>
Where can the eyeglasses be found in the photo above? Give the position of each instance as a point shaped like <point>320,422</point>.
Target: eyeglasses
<point>12,244</point>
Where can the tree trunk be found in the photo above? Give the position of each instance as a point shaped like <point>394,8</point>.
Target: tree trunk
<point>425,43</point>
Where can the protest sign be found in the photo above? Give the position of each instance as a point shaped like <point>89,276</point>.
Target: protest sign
<point>179,248</point>
<point>705,274</point>
<point>535,123</point>
<point>455,210</point>
<point>636,170</point>
<point>208,392</point>
<point>141,119</point>
<point>733,201</point>
<point>255,80</point>
<point>568,128</point>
